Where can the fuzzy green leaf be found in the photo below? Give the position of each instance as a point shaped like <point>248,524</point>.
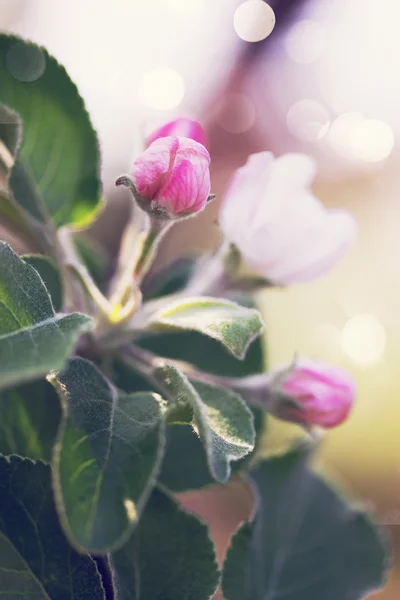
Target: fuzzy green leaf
<point>169,557</point>
<point>108,455</point>
<point>29,418</point>
<point>51,277</point>
<point>56,171</point>
<point>305,541</point>
<point>185,465</point>
<point>36,561</point>
<point>232,325</point>
<point>33,352</point>
<point>220,417</point>
<point>33,339</point>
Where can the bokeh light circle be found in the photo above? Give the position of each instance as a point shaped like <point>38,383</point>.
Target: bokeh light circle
<point>236,113</point>
<point>356,138</point>
<point>305,41</point>
<point>161,89</point>
<point>25,62</point>
<point>254,20</point>
<point>308,120</point>
<point>363,339</point>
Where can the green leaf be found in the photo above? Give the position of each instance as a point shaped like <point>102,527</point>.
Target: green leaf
<point>33,340</point>
<point>169,557</point>
<point>305,541</point>
<point>170,279</point>
<point>10,135</point>
<point>108,455</point>
<point>29,418</point>
<point>58,159</point>
<point>35,559</point>
<point>51,277</point>
<point>185,462</point>
<point>220,417</point>
<point>38,234</point>
<point>35,351</point>
<point>22,293</point>
<point>227,322</point>
<point>93,255</point>
<point>205,353</point>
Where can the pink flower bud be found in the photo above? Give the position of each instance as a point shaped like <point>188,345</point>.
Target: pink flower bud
<point>172,177</point>
<point>180,128</point>
<point>324,395</point>
<point>282,230</point>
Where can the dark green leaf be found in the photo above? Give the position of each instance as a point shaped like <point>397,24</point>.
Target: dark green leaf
<point>29,418</point>
<point>220,417</point>
<point>169,280</point>
<point>185,463</point>
<point>305,543</point>
<point>93,255</point>
<point>36,562</point>
<point>10,134</point>
<point>22,293</point>
<point>33,352</point>
<point>169,557</point>
<point>227,322</point>
<point>51,277</point>
<point>108,455</point>
<point>57,162</point>
<point>205,353</point>
<point>13,219</point>
<point>33,340</point>
<point>13,216</point>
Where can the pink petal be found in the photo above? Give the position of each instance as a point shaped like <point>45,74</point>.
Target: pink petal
<point>152,167</point>
<point>180,128</point>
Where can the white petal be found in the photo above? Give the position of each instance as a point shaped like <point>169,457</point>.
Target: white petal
<point>244,192</point>
<point>319,253</point>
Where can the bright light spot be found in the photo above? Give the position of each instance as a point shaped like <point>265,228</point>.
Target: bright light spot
<point>161,89</point>
<point>254,20</point>
<point>371,140</point>
<point>236,113</point>
<point>131,510</point>
<point>305,41</point>
<point>364,339</point>
<point>187,7</point>
<point>308,120</point>
<point>356,137</point>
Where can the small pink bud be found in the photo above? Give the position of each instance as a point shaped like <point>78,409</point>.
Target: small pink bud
<point>179,128</point>
<point>281,229</point>
<point>172,177</point>
<point>324,394</point>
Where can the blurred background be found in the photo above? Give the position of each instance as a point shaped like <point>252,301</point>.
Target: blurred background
<point>317,76</point>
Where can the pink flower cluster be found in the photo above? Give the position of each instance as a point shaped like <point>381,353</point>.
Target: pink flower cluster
<point>268,211</point>
<point>280,228</point>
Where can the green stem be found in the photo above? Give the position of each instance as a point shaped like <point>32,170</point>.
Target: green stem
<point>126,295</point>
<point>70,260</point>
<point>151,241</point>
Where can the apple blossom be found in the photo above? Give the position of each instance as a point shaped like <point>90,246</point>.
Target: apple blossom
<point>323,395</point>
<point>281,229</point>
<point>180,128</point>
<point>172,177</point>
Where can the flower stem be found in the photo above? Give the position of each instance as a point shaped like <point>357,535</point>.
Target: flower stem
<point>126,295</point>
<point>71,261</point>
<point>149,247</point>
